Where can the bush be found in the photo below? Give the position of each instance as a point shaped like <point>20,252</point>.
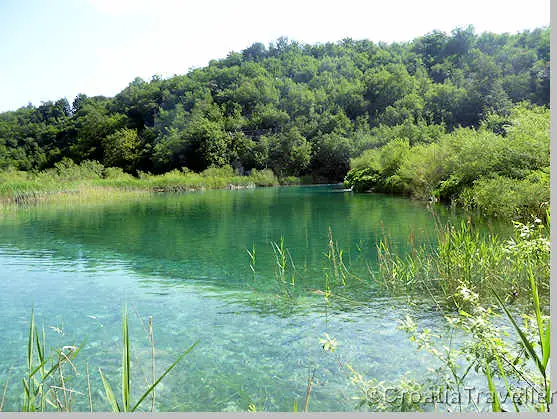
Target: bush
<point>88,169</point>
<point>290,180</point>
<point>510,198</point>
<point>222,172</point>
<point>116,173</point>
<point>264,177</point>
<point>503,173</point>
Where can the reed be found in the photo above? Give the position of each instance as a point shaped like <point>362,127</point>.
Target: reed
<point>253,260</point>
<point>48,375</point>
<point>5,390</point>
<point>44,381</point>
<point>542,341</point>
<point>465,260</point>
<point>125,404</point>
<point>91,180</point>
<point>285,269</point>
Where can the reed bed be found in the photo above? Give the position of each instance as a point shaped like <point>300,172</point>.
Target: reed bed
<point>466,260</point>
<point>91,180</point>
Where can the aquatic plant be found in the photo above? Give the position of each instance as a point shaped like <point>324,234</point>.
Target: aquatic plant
<point>253,260</point>
<point>48,374</point>
<point>465,260</point>
<point>125,404</point>
<point>45,380</point>
<point>542,340</point>
<point>284,269</point>
<point>466,268</point>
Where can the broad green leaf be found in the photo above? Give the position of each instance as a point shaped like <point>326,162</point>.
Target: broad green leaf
<point>523,338</point>
<point>546,345</point>
<point>504,375</point>
<point>126,367</point>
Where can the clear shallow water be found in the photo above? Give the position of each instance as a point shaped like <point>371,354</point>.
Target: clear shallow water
<point>182,259</point>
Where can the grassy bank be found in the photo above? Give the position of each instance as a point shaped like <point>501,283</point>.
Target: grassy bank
<point>501,168</point>
<point>91,179</point>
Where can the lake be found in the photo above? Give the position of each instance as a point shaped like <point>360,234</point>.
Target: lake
<point>183,259</point>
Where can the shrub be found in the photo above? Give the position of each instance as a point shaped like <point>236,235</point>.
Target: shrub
<point>290,180</point>
<point>88,169</point>
<point>264,177</point>
<point>224,172</point>
<point>510,198</point>
<point>502,173</point>
<point>116,173</point>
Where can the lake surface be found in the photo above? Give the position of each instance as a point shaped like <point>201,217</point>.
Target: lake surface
<point>182,259</point>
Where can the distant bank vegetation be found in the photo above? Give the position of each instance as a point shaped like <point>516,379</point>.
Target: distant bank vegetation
<point>91,180</point>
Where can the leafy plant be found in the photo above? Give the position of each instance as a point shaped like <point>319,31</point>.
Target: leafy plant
<point>44,383</point>
<point>126,404</point>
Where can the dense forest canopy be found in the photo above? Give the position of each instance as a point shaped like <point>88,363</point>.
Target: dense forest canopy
<point>295,108</point>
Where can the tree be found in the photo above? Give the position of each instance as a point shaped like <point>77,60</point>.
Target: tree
<point>290,153</point>
<point>93,123</point>
<point>331,157</point>
<point>122,149</point>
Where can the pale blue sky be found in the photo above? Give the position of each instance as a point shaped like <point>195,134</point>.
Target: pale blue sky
<point>58,48</point>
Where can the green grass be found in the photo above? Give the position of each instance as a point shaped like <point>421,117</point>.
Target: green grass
<point>473,279</point>
<point>126,404</point>
<point>540,360</point>
<point>44,381</point>
<point>69,181</point>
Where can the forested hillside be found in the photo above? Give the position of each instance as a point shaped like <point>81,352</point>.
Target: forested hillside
<point>297,109</point>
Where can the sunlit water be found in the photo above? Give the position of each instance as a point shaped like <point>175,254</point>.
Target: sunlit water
<point>182,259</point>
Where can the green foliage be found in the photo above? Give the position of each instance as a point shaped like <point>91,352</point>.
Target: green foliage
<point>67,170</point>
<point>378,169</point>
<point>126,405</point>
<point>290,180</point>
<point>284,270</point>
<point>524,267</point>
<point>301,110</point>
<point>501,168</point>
<point>264,177</point>
<point>122,149</point>
<point>381,396</point>
<point>91,179</point>
<point>290,153</point>
<point>510,198</point>
<point>48,375</point>
<point>43,383</point>
<point>466,263</point>
<point>522,369</point>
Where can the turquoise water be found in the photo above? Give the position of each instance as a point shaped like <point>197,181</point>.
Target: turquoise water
<point>182,259</point>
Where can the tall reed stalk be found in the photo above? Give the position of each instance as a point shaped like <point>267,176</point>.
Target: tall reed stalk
<point>126,404</point>
<point>543,341</point>
<point>285,269</point>
<point>44,380</point>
